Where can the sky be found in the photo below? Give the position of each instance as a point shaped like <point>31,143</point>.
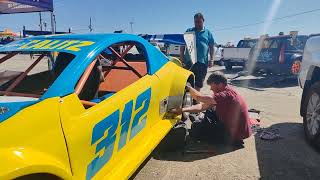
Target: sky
<point>168,16</point>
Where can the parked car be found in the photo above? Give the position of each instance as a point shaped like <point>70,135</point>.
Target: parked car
<point>277,54</point>
<point>239,55</point>
<point>309,80</point>
<point>84,119</point>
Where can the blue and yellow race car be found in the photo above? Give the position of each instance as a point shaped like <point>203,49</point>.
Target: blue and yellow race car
<point>84,106</point>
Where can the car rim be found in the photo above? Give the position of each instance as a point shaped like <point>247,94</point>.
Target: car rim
<point>313,114</point>
<point>295,68</point>
<point>187,101</point>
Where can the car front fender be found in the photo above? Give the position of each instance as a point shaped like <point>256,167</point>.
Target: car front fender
<point>181,78</point>
<point>18,162</point>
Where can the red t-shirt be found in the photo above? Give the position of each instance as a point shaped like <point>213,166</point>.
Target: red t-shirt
<point>232,110</point>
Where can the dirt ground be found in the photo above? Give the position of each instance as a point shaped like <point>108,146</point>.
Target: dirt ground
<point>287,158</point>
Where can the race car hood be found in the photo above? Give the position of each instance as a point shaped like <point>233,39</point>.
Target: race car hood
<point>10,105</point>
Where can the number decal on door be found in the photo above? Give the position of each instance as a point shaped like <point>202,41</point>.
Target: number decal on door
<point>109,126</point>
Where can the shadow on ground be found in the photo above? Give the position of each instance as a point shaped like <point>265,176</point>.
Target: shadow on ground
<point>257,81</point>
<point>269,81</point>
<point>194,150</point>
<point>234,70</point>
<point>290,157</point>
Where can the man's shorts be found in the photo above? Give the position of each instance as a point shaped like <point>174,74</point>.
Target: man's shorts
<point>200,71</point>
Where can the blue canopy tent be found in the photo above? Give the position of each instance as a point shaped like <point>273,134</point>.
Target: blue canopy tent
<point>25,6</point>
<point>171,42</point>
<point>176,39</point>
<point>28,6</point>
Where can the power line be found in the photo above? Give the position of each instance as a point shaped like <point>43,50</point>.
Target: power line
<point>261,22</point>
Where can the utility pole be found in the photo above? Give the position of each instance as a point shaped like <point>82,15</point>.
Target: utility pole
<point>53,23</point>
<point>40,21</point>
<point>131,26</point>
<point>45,25</point>
<point>23,31</point>
<point>90,26</point>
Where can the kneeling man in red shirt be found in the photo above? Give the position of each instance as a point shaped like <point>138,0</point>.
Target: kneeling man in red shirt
<point>226,113</point>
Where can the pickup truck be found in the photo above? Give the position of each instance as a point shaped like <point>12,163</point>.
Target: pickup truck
<point>239,55</point>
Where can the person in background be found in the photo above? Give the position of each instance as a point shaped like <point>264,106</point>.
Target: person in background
<point>226,117</point>
<point>218,54</point>
<point>204,45</point>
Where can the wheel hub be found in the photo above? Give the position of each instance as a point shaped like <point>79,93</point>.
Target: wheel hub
<point>187,100</point>
<point>313,116</point>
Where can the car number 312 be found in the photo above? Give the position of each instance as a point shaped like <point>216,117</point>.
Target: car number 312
<point>110,125</point>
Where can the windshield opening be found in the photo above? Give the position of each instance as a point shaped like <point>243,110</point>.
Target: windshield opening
<point>247,43</point>
<point>301,42</point>
<point>30,74</point>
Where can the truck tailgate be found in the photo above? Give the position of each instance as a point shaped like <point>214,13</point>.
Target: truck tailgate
<point>230,53</point>
<point>243,53</point>
<point>236,53</point>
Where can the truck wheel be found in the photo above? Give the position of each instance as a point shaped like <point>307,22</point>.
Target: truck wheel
<point>228,66</point>
<point>220,63</point>
<point>311,119</point>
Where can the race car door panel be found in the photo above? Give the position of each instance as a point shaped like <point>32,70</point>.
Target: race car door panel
<point>112,137</point>
<point>111,134</point>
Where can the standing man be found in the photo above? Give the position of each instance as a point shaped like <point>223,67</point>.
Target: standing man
<point>205,45</point>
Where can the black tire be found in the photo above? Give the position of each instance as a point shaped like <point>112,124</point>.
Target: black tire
<point>220,63</point>
<point>38,177</point>
<point>312,137</point>
<point>228,66</point>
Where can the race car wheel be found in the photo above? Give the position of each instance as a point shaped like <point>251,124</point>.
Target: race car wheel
<point>39,176</point>
<point>187,101</point>
<point>311,119</point>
